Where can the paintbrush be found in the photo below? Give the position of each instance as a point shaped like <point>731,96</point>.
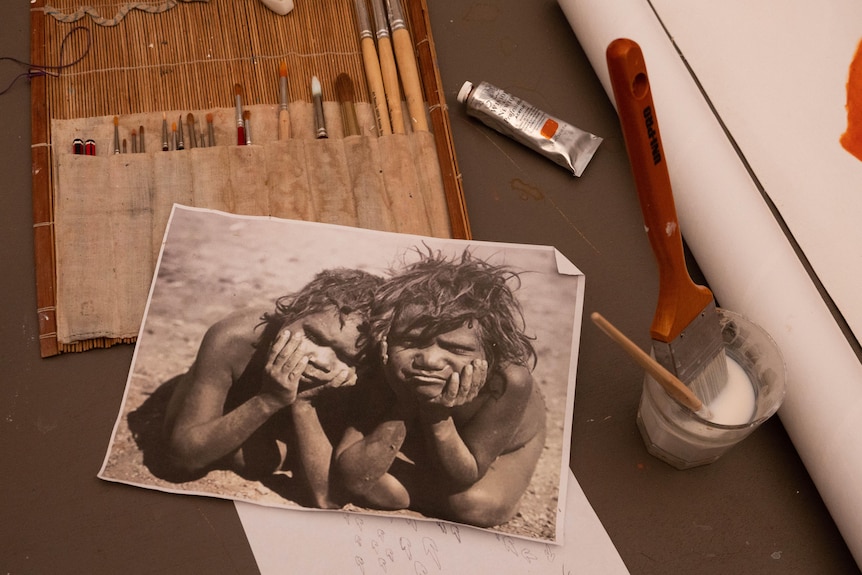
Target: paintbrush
<point>181,144</point>
<point>165,144</point>
<point>142,147</point>
<point>319,118</point>
<point>211,141</point>
<point>373,75</point>
<point>240,128</point>
<point>669,382</point>
<point>685,331</point>
<point>387,67</point>
<point>116,135</point>
<point>246,126</point>
<point>283,115</point>
<point>406,60</point>
<point>193,135</point>
<point>175,142</point>
<point>134,141</point>
<point>344,93</point>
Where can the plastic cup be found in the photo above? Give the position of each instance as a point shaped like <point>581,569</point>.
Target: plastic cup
<point>678,436</point>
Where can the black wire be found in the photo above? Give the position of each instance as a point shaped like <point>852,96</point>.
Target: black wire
<point>39,70</point>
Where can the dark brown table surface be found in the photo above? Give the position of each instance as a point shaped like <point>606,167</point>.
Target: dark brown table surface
<point>754,511</point>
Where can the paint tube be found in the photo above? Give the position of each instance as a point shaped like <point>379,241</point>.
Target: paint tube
<point>555,139</point>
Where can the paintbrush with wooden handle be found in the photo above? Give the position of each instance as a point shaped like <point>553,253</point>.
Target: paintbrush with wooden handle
<point>283,113</point>
<point>669,382</point>
<point>387,67</point>
<point>405,57</point>
<point>685,331</point>
<point>373,75</point>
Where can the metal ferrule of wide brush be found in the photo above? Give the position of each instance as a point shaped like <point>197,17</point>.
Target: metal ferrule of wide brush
<point>696,356</point>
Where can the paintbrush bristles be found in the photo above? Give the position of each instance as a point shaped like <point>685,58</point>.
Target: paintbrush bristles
<point>344,92</point>
<point>344,88</point>
<point>190,122</point>
<point>697,355</point>
<point>211,141</point>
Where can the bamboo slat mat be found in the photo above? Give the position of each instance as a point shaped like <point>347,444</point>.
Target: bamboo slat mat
<point>191,57</point>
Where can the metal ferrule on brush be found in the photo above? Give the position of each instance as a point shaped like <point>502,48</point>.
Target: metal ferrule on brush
<point>319,122</point>
<point>317,102</point>
<point>380,19</point>
<point>238,107</point>
<point>363,21</point>
<point>282,91</point>
<point>696,356</point>
<point>396,16</point>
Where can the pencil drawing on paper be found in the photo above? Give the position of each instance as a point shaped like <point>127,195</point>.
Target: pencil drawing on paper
<point>303,365</point>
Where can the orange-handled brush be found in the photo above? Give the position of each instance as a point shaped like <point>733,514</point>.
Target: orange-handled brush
<point>685,330</point>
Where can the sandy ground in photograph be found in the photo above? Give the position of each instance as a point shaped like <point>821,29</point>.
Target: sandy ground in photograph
<point>202,281</point>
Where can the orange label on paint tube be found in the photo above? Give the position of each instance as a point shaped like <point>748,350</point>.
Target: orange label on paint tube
<point>549,128</point>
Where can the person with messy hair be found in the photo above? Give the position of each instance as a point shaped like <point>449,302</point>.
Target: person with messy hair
<point>450,422</point>
<point>265,388</point>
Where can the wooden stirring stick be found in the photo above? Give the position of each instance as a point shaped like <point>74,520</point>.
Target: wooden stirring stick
<point>669,382</point>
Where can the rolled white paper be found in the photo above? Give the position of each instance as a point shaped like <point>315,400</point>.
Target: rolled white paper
<point>749,263</point>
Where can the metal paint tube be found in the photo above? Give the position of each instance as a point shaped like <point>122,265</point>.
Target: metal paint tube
<point>555,139</point>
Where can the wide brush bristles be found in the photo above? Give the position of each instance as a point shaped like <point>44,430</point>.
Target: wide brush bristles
<point>711,380</point>
<point>697,355</point>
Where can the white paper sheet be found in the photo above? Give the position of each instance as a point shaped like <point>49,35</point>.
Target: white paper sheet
<point>745,256</point>
<point>338,542</point>
<point>214,263</point>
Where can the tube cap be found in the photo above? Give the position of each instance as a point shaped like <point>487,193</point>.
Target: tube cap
<point>465,90</point>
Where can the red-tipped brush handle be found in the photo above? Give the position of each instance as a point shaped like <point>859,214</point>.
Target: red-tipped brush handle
<point>680,300</point>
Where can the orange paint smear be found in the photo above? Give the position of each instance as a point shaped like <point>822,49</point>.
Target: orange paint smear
<point>851,140</point>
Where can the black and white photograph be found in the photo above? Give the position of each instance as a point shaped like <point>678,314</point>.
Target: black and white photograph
<point>321,367</point>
